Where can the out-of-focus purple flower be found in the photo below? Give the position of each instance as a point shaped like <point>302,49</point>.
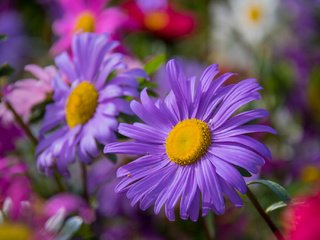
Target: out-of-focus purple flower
<point>126,231</point>
<point>306,160</point>
<point>190,143</point>
<point>304,56</point>
<point>69,204</point>
<point>85,16</point>
<point>303,16</point>
<point>304,25</point>
<point>83,113</point>
<point>52,7</point>
<point>102,181</point>
<point>26,93</point>
<point>14,50</point>
<point>14,185</point>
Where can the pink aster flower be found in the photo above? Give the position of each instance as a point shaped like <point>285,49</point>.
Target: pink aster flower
<point>26,93</point>
<point>85,16</point>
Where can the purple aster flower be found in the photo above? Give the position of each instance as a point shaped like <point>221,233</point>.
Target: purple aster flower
<point>84,111</point>
<point>191,145</point>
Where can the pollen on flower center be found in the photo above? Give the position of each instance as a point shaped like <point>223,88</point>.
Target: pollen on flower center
<point>255,14</point>
<point>188,141</point>
<point>85,22</point>
<point>81,104</point>
<point>156,20</point>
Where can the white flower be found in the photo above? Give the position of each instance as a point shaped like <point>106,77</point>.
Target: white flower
<point>240,26</point>
<point>254,19</point>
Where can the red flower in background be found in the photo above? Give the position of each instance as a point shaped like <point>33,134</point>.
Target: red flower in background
<point>302,218</point>
<point>159,17</point>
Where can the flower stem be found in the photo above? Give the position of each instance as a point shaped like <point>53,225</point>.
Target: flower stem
<point>21,123</point>
<point>265,216</point>
<point>58,182</point>
<point>84,182</point>
<point>206,229</point>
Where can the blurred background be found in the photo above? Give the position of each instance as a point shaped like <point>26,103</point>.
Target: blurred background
<point>275,41</point>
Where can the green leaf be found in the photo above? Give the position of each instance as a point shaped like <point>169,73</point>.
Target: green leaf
<point>276,206</point>
<point>243,172</point>
<point>112,157</point>
<point>6,70</point>
<point>209,221</point>
<point>275,188</point>
<point>3,37</point>
<point>154,64</point>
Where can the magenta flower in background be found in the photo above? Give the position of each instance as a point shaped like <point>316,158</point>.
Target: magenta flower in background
<point>191,143</point>
<point>85,16</point>
<point>9,134</point>
<point>14,185</point>
<point>84,113</point>
<point>301,218</point>
<point>70,204</point>
<point>26,93</point>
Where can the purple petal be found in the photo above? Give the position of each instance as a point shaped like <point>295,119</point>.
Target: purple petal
<point>142,133</point>
<point>133,148</point>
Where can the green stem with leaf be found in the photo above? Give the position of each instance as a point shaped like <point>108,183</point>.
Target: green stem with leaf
<point>265,216</point>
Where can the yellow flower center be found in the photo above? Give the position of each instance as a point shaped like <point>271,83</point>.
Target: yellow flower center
<point>254,14</point>
<point>85,22</point>
<point>188,141</point>
<point>156,20</point>
<point>310,174</point>
<point>81,104</point>
<point>15,231</point>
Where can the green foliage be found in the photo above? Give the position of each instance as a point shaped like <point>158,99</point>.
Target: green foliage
<point>276,206</point>
<point>155,63</point>
<point>3,37</point>
<point>277,189</point>
<point>243,172</point>
<point>6,70</point>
